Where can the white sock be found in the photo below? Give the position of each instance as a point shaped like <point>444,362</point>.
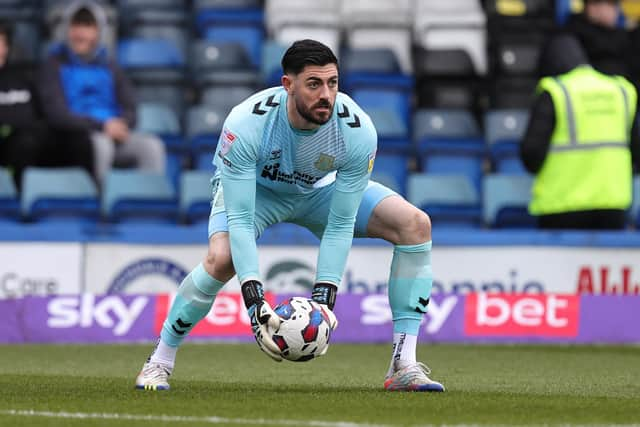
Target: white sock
<point>164,354</point>
<point>404,350</point>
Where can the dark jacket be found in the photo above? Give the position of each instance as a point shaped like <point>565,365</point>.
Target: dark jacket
<point>18,101</point>
<point>609,49</point>
<point>82,95</point>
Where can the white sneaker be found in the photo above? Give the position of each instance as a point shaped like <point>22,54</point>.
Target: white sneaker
<point>153,376</point>
<point>411,377</point>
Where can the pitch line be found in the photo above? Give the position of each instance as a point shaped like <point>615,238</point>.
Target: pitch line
<point>184,419</point>
<point>241,421</point>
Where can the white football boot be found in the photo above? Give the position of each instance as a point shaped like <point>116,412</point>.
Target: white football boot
<point>409,376</point>
<point>153,376</point>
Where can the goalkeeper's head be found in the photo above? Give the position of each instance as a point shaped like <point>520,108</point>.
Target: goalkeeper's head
<point>311,81</point>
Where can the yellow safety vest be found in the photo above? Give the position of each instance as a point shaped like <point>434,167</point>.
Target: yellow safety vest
<point>588,165</point>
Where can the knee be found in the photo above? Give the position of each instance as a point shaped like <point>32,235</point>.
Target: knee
<point>219,264</point>
<point>417,228</point>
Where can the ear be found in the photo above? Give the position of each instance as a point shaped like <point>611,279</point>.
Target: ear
<point>287,82</point>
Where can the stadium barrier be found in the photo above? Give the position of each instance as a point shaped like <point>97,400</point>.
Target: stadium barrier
<point>67,268</point>
<point>481,317</point>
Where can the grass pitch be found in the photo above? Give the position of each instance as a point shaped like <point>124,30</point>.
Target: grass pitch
<point>232,385</point>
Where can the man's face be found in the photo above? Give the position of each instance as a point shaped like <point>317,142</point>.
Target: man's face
<point>602,12</point>
<point>314,92</point>
<point>4,50</point>
<point>83,39</point>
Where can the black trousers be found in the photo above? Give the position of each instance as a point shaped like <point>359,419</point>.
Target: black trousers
<point>600,219</point>
<point>45,147</point>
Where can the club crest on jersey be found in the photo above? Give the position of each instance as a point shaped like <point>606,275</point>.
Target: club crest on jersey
<point>227,139</point>
<point>372,158</point>
<point>325,162</point>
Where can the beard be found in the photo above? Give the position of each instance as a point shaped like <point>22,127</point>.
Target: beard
<point>309,115</point>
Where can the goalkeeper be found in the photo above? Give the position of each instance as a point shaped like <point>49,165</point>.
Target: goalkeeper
<point>303,153</point>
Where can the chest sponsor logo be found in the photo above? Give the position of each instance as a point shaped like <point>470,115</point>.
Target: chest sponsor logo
<point>272,172</point>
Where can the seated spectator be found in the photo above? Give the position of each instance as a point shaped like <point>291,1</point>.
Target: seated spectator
<point>581,141</point>
<point>82,88</point>
<point>24,139</point>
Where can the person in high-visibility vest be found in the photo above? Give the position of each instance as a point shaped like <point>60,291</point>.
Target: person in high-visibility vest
<point>581,141</point>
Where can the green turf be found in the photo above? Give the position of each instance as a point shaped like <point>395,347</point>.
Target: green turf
<point>486,385</point>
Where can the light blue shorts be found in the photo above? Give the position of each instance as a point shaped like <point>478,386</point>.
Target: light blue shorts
<point>307,210</point>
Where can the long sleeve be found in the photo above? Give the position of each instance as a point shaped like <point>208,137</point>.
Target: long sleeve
<point>537,139</point>
<point>239,191</point>
<point>124,95</point>
<point>351,181</point>
<point>54,104</point>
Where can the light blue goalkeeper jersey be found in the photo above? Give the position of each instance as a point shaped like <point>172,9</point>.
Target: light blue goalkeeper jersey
<point>258,147</point>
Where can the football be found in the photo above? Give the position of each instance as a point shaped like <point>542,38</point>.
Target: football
<point>304,332</point>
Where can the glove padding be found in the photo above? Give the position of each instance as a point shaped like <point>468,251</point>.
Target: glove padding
<point>324,294</point>
<point>264,320</point>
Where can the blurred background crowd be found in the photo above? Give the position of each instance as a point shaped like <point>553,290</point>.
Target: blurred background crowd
<point>104,104</point>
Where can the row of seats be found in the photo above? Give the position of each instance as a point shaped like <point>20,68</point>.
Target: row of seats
<point>68,194</point>
<point>440,141</point>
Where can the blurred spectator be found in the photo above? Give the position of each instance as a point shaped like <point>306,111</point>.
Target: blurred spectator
<point>608,47</point>
<point>82,88</point>
<point>581,141</point>
<point>24,139</point>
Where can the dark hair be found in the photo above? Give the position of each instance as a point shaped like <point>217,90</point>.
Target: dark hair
<point>6,31</point>
<point>306,52</point>
<point>84,16</point>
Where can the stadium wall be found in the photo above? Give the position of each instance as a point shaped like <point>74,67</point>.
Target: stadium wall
<point>63,268</point>
<point>117,291</point>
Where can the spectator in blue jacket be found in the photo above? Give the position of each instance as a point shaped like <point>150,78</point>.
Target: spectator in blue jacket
<point>82,88</point>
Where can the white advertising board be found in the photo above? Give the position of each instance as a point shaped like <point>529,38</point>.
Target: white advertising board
<point>147,269</point>
<point>40,269</point>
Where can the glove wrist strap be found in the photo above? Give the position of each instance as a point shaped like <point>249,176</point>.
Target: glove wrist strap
<point>325,293</point>
<point>252,293</point>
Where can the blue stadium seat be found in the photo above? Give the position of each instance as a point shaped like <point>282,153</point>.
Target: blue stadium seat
<point>152,12</point>
<point>373,68</point>
<point>393,133</point>
<point>382,98</point>
<point>195,196</point>
<point>222,63</point>
<point>25,48</point>
<point>161,120</point>
<point>503,131</point>
<point>59,195</point>
<point>176,35</point>
<point>226,97</point>
<point>249,36</point>
<point>271,69</point>
<point>9,206</point>
<point>238,12</point>
<point>171,95</point>
<point>134,196</point>
<point>450,200</point>
<point>151,60</point>
<point>505,201</point>
<point>450,142</point>
<point>204,124</point>
<point>392,171</point>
